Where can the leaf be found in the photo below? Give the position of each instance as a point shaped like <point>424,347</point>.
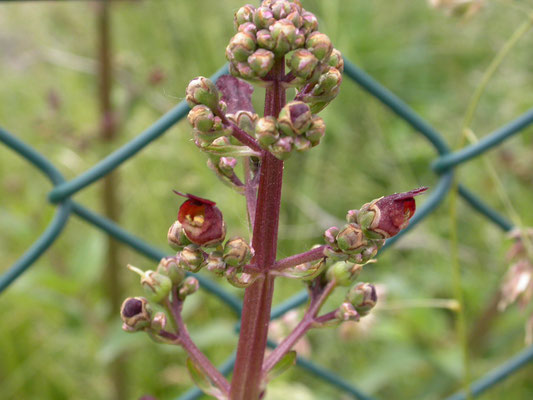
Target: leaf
<point>282,365</point>
<point>203,382</point>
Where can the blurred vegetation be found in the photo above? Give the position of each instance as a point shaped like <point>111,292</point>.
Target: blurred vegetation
<point>56,341</point>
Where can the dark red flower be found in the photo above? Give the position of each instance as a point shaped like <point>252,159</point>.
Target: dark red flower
<point>385,217</point>
<point>202,221</point>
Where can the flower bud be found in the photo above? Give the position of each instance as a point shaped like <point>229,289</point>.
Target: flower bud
<point>248,27</point>
<point>295,118</point>
<point>202,118</point>
<point>301,144</point>
<point>135,313</point>
<point>176,236</point>
<point>240,47</point>
<point>202,221</point>
<point>263,17</point>
<point>191,258</point>
<point>156,286</point>
<point>303,63</point>
<point>282,148</point>
<point>266,131</point>
<point>309,23</point>
<point>319,44</point>
<point>387,216</point>
<point>245,14</point>
<point>351,239</point>
<point>334,255</point>
<point>336,61</point>
<point>242,70</point>
<point>330,236</point>
<point>316,131</point>
<point>346,312</point>
<point>363,297</point>
<point>284,34</point>
<point>159,322</point>
<point>343,273</point>
<point>261,62</point>
<point>237,252</point>
<point>265,39</point>
<point>215,263</point>
<point>245,120</point>
<point>281,9</point>
<point>328,83</point>
<point>351,216</point>
<point>189,286</point>
<point>169,266</point>
<point>227,165</point>
<point>202,91</point>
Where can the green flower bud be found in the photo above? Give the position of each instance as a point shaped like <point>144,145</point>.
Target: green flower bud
<point>202,118</point>
<point>266,131</point>
<point>215,263</point>
<point>135,313</point>
<point>159,322</point>
<point>169,266</point>
<point>336,61</point>
<point>202,91</point>
<point>189,286</point>
<point>240,47</point>
<point>265,39</point>
<point>295,118</point>
<point>237,252</point>
<point>226,165</point>
<point>245,120</point>
<point>191,258</point>
<point>316,131</point>
<point>282,148</point>
<point>245,14</point>
<point>363,297</point>
<point>263,17</point>
<point>261,62</point>
<point>330,236</point>
<point>301,144</point>
<point>281,9</point>
<point>242,70</point>
<point>248,27</point>
<point>343,273</point>
<point>309,23</point>
<point>347,312</point>
<point>176,236</point>
<point>319,44</point>
<point>303,64</point>
<point>284,34</point>
<point>351,239</point>
<point>351,216</point>
<point>156,285</point>
<point>328,83</point>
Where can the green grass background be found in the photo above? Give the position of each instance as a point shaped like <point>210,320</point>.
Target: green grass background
<point>56,341</point>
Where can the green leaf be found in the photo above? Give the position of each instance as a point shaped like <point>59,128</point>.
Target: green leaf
<point>203,382</point>
<point>282,365</point>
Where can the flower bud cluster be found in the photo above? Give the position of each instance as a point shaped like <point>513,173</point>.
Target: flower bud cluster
<point>296,128</point>
<point>359,300</point>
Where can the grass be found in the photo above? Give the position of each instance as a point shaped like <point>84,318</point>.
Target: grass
<point>55,339</point>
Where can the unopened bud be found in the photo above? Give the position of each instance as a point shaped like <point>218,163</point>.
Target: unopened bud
<point>242,70</point>
<point>202,221</point>
<point>263,17</point>
<point>328,83</point>
<point>301,144</point>
<point>240,47</point>
<point>281,9</point>
<point>202,118</point>
<point>202,91</point>
<point>168,266</point>
<point>245,120</point>
<point>294,118</point>
<point>316,131</point>
<point>351,239</point>
<point>347,312</point>
<point>191,258</point>
<point>303,64</point>
<point>189,286</point>
<point>215,263</point>
<point>282,148</point>
<point>176,236</point>
<point>319,44</point>
<point>330,236</point>
<point>245,14</point>
<point>265,39</point>
<point>156,286</point>
<point>351,216</point>
<point>387,216</point>
<point>261,62</point>
<point>266,131</point>
<point>227,165</point>
<point>248,27</point>
<point>237,252</point>
<point>309,23</point>
<point>343,273</point>
<point>336,61</point>
<point>159,322</point>
<point>363,297</point>
<point>284,34</point>
<point>135,313</point>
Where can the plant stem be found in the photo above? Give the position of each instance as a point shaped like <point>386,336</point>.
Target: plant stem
<point>312,255</point>
<point>184,339</point>
<point>258,297</point>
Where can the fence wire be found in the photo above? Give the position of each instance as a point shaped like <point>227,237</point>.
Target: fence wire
<point>443,165</point>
